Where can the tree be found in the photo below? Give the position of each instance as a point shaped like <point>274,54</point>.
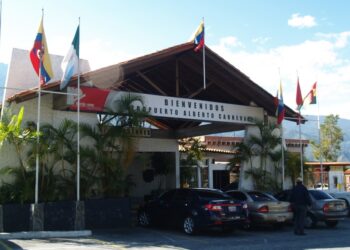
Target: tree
<point>58,157</point>
<point>331,138</point>
<point>264,146</point>
<point>193,150</point>
<point>292,164</point>
<point>21,189</point>
<point>113,148</point>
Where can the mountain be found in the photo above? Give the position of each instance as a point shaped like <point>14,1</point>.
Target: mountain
<point>3,72</point>
<point>310,131</point>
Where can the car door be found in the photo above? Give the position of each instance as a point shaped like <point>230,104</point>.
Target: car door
<point>161,209</point>
<point>180,205</point>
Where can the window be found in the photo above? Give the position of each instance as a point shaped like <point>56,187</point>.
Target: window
<point>335,181</point>
<point>257,196</point>
<point>238,196</point>
<point>167,196</point>
<point>181,195</point>
<point>320,195</point>
<point>210,195</point>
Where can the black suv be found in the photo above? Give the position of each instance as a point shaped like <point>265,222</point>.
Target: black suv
<point>194,209</point>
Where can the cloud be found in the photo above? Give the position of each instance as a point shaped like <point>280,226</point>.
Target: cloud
<point>261,40</point>
<point>230,41</point>
<point>314,60</point>
<point>340,39</point>
<point>301,22</point>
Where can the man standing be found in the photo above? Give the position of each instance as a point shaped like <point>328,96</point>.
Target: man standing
<point>300,199</point>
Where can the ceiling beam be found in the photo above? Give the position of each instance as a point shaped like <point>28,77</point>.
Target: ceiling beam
<point>198,91</point>
<point>144,77</point>
<point>217,81</point>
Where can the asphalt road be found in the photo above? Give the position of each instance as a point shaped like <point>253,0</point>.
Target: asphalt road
<point>162,238</point>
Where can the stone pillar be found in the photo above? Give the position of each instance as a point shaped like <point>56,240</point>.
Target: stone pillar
<point>37,217</point>
<point>1,220</point>
<point>79,218</point>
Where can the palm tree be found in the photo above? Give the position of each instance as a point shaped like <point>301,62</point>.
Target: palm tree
<point>113,146</point>
<point>193,149</point>
<point>263,146</point>
<point>12,132</point>
<point>243,153</point>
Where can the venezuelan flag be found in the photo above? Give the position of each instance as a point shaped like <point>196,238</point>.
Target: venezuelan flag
<point>40,50</point>
<point>198,37</point>
<point>280,107</point>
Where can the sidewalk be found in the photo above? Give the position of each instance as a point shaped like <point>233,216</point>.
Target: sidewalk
<point>45,234</point>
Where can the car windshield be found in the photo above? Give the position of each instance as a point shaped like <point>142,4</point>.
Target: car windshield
<point>320,195</point>
<point>257,196</point>
<point>210,195</point>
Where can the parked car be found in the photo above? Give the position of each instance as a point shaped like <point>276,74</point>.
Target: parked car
<point>324,208</point>
<point>194,209</point>
<point>342,195</point>
<point>264,208</point>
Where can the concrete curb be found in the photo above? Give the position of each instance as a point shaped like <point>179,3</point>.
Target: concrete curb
<point>45,234</point>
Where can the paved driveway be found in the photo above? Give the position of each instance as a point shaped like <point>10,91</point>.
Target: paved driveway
<point>156,238</point>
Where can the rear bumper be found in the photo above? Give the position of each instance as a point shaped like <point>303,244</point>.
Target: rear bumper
<point>321,216</point>
<point>271,217</point>
<point>234,222</point>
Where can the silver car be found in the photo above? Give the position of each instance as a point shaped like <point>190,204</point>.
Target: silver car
<point>264,208</point>
<point>324,208</point>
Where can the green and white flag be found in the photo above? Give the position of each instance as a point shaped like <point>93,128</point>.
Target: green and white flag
<point>70,63</point>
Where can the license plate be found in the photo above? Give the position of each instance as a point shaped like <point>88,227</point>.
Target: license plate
<point>232,209</point>
<point>281,219</point>
<point>339,207</point>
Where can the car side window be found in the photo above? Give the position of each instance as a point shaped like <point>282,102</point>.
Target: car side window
<point>167,196</point>
<point>284,196</point>
<point>238,196</point>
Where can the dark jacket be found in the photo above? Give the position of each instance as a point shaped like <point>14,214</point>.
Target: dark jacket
<point>300,195</point>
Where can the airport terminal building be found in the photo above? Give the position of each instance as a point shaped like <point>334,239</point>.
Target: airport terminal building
<point>170,82</point>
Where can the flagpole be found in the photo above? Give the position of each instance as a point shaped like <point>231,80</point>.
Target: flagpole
<point>38,124</point>
<point>319,139</point>
<point>3,101</point>
<point>282,147</point>
<point>300,104</point>
<point>204,77</point>
<point>78,131</point>
<point>301,149</point>
<point>282,139</point>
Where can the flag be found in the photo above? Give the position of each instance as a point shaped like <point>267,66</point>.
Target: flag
<point>310,98</point>
<point>39,56</point>
<point>70,62</point>
<point>198,37</point>
<point>299,98</point>
<point>280,107</point>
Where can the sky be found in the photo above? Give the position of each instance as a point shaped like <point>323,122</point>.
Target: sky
<point>269,41</point>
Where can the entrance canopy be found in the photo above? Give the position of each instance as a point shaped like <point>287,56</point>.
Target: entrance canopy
<point>176,72</point>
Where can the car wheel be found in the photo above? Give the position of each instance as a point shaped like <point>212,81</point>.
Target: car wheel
<point>331,224</point>
<point>189,226</point>
<point>310,221</point>
<point>144,219</point>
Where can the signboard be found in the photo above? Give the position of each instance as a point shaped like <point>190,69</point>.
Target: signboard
<point>101,100</point>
